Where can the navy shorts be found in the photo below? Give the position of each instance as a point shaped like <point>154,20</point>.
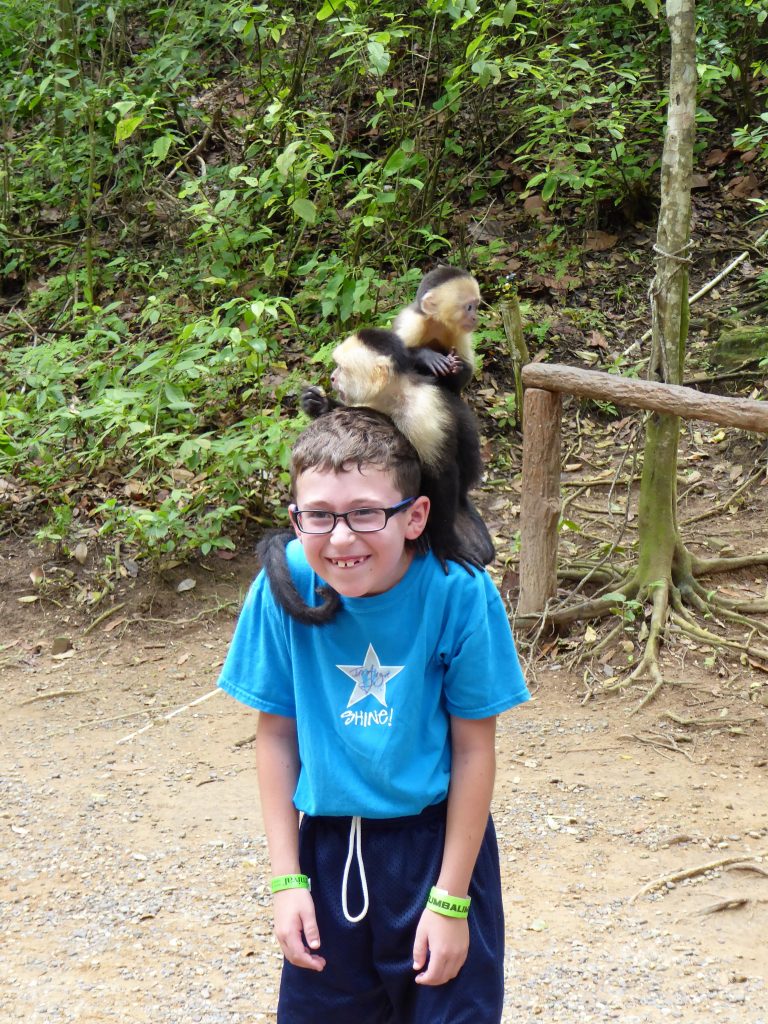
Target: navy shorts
<point>369,975</point>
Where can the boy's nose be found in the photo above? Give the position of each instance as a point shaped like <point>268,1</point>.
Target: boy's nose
<point>341,533</point>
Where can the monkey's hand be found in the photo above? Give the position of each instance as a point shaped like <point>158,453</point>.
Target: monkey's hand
<point>437,363</point>
<point>314,402</point>
<point>456,365</point>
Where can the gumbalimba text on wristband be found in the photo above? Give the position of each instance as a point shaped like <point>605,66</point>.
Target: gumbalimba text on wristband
<point>451,906</point>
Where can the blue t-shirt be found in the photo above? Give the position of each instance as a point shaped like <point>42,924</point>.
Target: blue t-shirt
<point>372,691</point>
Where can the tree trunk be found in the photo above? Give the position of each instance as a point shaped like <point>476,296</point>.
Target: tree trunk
<point>660,547</point>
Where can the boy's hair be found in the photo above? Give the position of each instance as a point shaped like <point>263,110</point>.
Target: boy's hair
<point>357,436</point>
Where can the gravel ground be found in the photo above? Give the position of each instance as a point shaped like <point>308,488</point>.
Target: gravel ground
<point>133,874</point>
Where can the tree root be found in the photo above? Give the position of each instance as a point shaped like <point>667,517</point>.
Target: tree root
<point>702,603</point>
<point>734,903</point>
<point>701,869</point>
<point>712,566</point>
<point>687,626</point>
<point>677,600</point>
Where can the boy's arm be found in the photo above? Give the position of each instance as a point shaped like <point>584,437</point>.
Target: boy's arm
<point>473,768</point>
<point>277,764</point>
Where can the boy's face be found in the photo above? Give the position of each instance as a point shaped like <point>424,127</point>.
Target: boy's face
<point>359,564</point>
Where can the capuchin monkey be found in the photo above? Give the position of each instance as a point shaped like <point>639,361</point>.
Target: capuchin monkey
<point>374,369</point>
<point>437,326</point>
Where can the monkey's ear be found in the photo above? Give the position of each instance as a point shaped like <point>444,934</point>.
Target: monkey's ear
<point>429,302</point>
<point>381,373</point>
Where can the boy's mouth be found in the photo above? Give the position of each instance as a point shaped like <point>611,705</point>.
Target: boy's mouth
<point>347,563</point>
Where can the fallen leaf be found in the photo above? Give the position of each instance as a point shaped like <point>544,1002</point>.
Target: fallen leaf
<point>63,656</point>
<point>700,180</point>
<point>599,241</point>
<point>744,186</point>
<point>187,584</point>
<point>113,624</point>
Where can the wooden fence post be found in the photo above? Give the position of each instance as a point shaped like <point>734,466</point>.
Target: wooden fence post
<point>540,500</point>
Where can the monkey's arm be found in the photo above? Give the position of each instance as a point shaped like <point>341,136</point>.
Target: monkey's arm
<point>452,371</point>
<point>315,402</point>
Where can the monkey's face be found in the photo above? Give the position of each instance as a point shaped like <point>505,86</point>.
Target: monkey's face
<point>465,307</point>
<point>454,304</point>
<point>360,372</point>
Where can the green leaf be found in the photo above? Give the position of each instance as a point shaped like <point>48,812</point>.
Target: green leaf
<point>396,161</point>
<point>329,8</point>
<point>510,10</point>
<point>379,57</point>
<point>305,209</point>
<point>127,127</point>
<point>287,158</point>
<point>550,187</point>
<point>161,146</point>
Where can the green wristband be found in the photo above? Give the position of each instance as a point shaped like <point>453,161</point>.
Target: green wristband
<point>289,882</point>
<point>450,906</point>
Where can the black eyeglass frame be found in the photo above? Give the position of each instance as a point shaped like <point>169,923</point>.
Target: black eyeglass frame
<point>296,513</point>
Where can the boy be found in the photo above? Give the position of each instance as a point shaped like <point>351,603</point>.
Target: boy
<point>379,728</point>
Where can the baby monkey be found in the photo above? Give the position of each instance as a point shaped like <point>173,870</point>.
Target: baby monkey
<point>437,326</point>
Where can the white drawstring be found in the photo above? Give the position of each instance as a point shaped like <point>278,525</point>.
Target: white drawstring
<point>355,833</point>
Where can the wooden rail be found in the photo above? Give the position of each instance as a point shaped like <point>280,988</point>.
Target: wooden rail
<point>540,500</point>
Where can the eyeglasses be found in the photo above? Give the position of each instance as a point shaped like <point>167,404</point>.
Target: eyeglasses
<point>359,520</point>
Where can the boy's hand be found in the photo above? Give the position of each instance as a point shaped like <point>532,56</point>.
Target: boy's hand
<point>446,939</point>
<point>294,922</point>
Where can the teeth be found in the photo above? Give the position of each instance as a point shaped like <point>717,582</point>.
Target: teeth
<point>348,564</point>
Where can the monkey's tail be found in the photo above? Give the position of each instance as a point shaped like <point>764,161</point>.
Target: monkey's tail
<point>274,561</point>
<point>475,539</point>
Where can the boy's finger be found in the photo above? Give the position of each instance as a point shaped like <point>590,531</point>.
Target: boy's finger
<point>420,947</point>
<point>311,931</point>
<point>297,954</point>
<point>437,972</point>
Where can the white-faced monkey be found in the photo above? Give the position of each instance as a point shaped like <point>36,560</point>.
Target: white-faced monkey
<point>374,369</point>
<point>437,326</point>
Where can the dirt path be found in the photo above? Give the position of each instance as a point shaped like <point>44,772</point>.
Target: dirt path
<point>132,875</point>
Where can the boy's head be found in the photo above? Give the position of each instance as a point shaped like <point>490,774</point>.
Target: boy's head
<point>355,460</point>
<point>348,437</point>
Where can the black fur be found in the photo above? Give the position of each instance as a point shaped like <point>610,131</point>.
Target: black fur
<point>271,553</point>
<point>455,530</point>
<point>434,278</point>
<point>451,372</point>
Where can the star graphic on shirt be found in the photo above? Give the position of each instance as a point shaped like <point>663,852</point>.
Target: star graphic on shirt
<point>370,678</point>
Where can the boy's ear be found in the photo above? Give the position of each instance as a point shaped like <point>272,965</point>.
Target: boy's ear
<point>418,514</point>
<point>292,517</point>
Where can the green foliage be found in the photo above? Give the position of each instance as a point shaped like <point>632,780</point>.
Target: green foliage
<point>183,422</point>
<point>191,194</point>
